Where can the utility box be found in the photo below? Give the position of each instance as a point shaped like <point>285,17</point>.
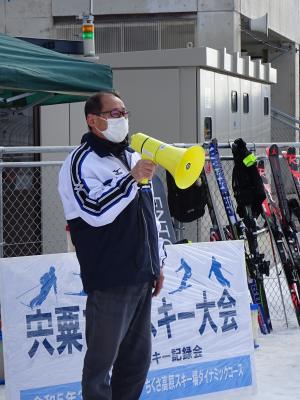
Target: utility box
<point>181,95</point>
<point>193,95</point>
<point>177,96</point>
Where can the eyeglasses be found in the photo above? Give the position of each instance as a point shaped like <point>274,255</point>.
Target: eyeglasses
<point>116,113</point>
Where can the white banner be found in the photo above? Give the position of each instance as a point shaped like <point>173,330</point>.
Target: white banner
<point>201,325</point>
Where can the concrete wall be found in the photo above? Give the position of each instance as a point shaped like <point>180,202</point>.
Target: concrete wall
<point>113,7</point>
<point>224,15</point>
<point>34,17</point>
<point>285,96</point>
<point>284,15</point>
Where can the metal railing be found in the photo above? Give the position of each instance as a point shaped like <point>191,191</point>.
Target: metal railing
<point>32,220</point>
<point>284,125</point>
<point>285,119</point>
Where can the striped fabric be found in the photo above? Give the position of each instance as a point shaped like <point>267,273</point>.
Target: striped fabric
<point>108,198</point>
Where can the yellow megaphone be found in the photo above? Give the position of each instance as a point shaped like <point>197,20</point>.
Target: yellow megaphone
<point>185,165</point>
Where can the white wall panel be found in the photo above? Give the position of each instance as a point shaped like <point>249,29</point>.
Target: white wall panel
<point>234,85</point>
<point>206,101</point>
<point>246,131</point>
<point>54,129</point>
<point>257,112</point>
<point>266,119</point>
<point>54,125</point>
<point>78,124</point>
<point>152,96</point>
<point>222,107</point>
<point>188,105</point>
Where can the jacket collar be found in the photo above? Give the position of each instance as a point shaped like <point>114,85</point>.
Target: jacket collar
<point>104,148</point>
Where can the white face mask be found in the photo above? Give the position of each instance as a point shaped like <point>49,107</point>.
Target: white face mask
<point>117,129</point>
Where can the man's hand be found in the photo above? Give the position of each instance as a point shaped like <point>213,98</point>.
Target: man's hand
<point>143,169</point>
<point>158,284</point>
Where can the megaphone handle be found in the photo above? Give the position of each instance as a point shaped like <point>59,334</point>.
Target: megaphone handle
<point>144,182</point>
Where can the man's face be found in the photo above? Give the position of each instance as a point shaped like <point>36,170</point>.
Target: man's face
<point>111,106</point>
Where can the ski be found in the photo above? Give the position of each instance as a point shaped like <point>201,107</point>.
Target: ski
<point>217,231</point>
<point>273,219</point>
<point>287,224</point>
<point>235,228</point>
<point>223,188</point>
<point>293,165</point>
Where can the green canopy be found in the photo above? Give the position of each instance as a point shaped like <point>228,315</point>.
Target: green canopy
<point>31,75</point>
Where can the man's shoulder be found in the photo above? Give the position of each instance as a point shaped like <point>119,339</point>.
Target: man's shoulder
<point>84,138</point>
<point>84,158</point>
<point>73,156</point>
<point>79,151</point>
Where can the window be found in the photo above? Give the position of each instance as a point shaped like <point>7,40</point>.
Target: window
<point>207,129</point>
<point>234,101</point>
<point>266,105</point>
<point>246,103</point>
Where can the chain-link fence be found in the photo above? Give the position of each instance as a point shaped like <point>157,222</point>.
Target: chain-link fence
<point>32,220</point>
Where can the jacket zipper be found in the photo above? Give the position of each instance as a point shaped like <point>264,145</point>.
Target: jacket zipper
<point>147,239</point>
<point>145,222</point>
<point>122,162</point>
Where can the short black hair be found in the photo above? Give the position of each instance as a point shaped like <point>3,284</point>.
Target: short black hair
<point>94,103</point>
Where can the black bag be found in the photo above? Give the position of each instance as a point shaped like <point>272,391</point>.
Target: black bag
<point>247,184</point>
<point>186,205</point>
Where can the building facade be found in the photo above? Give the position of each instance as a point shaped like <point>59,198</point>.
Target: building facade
<point>141,25</point>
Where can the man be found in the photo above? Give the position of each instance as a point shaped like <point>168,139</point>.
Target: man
<point>113,228</point>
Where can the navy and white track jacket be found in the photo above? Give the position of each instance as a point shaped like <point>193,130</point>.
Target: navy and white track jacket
<point>111,218</point>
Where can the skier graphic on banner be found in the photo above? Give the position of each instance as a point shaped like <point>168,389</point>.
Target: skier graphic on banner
<point>186,276</point>
<point>215,268</point>
<point>47,281</point>
<point>80,293</point>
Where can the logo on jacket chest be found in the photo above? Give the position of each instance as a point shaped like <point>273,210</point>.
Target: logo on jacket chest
<point>117,171</point>
<point>78,187</point>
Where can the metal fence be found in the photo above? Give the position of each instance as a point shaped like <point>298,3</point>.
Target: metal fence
<point>139,32</point>
<point>32,220</point>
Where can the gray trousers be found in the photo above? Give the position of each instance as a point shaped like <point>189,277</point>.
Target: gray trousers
<point>118,336</point>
